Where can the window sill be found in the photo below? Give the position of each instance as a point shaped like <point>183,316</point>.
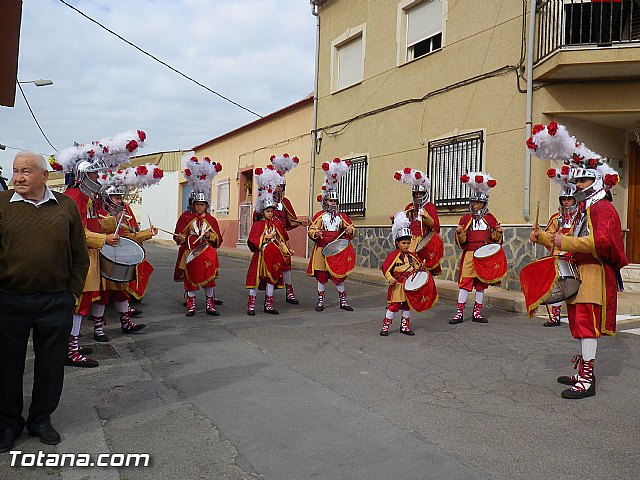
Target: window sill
<point>420,57</point>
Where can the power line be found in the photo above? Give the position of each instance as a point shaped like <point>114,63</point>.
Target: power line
<point>34,116</point>
<point>160,61</point>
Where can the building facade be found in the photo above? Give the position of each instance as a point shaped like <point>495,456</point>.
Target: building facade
<point>441,86</point>
<point>246,148</point>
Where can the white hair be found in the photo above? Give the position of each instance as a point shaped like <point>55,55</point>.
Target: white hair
<point>39,159</point>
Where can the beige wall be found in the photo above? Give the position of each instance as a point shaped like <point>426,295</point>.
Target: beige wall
<point>486,38</point>
<point>479,37</point>
<point>253,147</point>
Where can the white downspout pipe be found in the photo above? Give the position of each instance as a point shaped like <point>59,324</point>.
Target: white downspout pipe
<point>527,154</point>
<point>314,132</point>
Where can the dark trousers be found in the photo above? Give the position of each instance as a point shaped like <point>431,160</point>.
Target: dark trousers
<point>50,316</point>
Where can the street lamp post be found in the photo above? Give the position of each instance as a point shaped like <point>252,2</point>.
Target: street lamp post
<point>39,83</point>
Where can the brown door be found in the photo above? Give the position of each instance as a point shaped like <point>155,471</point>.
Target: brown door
<point>633,209</point>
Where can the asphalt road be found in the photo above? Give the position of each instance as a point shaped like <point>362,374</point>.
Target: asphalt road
<point>308,395</point>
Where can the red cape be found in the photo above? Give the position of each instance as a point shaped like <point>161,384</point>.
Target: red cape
<point>604,224</point>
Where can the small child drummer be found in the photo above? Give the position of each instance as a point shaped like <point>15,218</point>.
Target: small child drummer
<point>475,229</point>
<point>268,240</point>
<point>198,232</point>
<point>399,265</point>
<point>563,221</point>
<point>425,224</point>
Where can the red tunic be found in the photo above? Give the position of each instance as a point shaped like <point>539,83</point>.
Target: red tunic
<point>184,226</point>
<point>421,229</point>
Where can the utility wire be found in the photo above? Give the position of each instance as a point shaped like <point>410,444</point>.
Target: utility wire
<point>158,60</point>
<point>34,117</point>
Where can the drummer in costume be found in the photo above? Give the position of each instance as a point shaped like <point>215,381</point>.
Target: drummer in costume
<point>425,224</point>
<point>399,266</point>
<point>198,235</point>
<point>326,227</point>
<point>475,230</point>
<point>286,215</point>
<point>268,240</point>
<point>598,249</point>
<point>563,221</point>
<point>82,164</point>
<point>115,185</point>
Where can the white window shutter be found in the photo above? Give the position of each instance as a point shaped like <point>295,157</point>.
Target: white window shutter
<point>350,63</point>
<point>424,21</point>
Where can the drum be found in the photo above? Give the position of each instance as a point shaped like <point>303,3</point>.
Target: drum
<point>201,265</point>
<point>119,263</point>
<point>430,249</point>
<point>490,263</point>
<point>420,290</point>
<point>339,257</point>
<point>549,280</point>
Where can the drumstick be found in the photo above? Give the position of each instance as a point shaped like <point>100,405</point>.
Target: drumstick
<point>166,231</point>
<point>537,225</point>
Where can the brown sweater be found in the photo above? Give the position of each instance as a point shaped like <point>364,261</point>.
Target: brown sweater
<point>42,249</point>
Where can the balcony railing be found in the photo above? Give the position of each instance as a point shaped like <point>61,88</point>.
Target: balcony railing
<point>585,23</point>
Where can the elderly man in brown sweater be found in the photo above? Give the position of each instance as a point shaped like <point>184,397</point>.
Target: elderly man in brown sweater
<point>43,265</point>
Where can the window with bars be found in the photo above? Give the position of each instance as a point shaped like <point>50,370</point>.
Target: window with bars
<point>449,158</point>
<point>352,189</point>
<point>424,28</point>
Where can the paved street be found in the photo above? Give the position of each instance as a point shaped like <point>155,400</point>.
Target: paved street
<point>321,395</point>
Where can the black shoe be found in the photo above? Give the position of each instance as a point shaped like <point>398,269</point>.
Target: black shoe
<point>251,313</point>
<point>100,338</point>
<point>292,301</point>
<point>551,324</point>
<point>572,394</point>
<point>134,312</point>
<point>136,327</point>
<point>46,433</point>
<point>455,321</point>
<point>384,333</point>
<point>85,350</point>
<point>88,363</point>
<point>8,439</point>
<point>319,308</point>
<point>215,313</point>
<point>273,311</point>
<point>218,302</point>
<point>348,308</point>
<point>411,333</point>
<point>479,320</point>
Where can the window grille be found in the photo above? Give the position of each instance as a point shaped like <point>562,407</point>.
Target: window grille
<point>449,158</point>
<point>352,189</point>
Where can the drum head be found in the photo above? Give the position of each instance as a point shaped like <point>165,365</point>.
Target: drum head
<point>487,250</point>
<point>423,243</point>
<point>335,247</point>
<point>415,281</point>
<point>126,252</point>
